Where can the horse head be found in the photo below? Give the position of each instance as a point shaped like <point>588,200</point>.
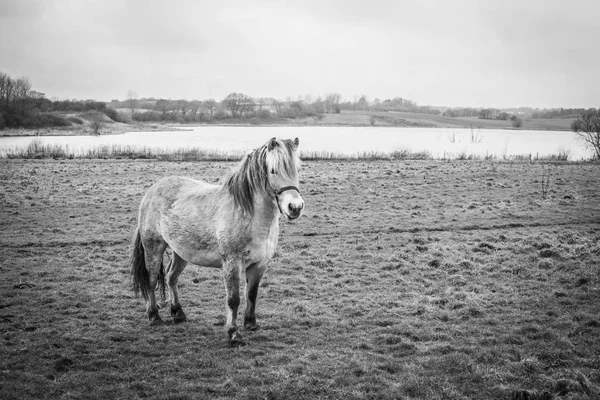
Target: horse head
<point>283,165</point>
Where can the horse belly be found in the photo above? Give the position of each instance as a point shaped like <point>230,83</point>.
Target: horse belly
<point>201,250</point>
<point>210,259</point>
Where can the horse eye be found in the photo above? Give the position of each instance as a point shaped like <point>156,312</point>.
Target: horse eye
<point>273,170</point>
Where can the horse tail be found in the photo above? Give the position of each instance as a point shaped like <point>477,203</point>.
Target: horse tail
<point>139,273</point>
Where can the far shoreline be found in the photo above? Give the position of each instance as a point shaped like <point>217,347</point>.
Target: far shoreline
<point>189,127</point>
<point>344,119</point>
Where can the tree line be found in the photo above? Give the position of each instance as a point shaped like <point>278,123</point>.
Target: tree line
<point>234,106</point>
<point>509,113</point>
<point>23,107</point>
<point>242,106</point>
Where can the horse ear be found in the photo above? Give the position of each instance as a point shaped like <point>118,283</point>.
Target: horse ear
<point>272,144</point>
<point>296,143</point>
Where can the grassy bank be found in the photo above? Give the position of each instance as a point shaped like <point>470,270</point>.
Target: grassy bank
<point>85,127</point>
<point>403,279</point>
<point>438,121</point>
<point>345,118</point>
<point>37,149</point>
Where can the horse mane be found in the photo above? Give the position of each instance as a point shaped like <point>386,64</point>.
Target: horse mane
<point>252,174</point>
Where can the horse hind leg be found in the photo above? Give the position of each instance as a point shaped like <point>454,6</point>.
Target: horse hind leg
<point>154,255</point>
<point>167,261</point>
<point>176,267</point>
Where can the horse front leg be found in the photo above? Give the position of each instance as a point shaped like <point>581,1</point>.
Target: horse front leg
<point>253,275</point>
<point>231,276</point>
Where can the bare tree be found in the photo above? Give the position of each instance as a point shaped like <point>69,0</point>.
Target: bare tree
<point>96,122</point>
<point>195,106</point>
<point>162,106</point>
<point>22,86</point>
<point>332,103</point>
<point>6,84</point>
<point>210,106</point>
<point>261,102</point>
<point>183,106</point>
<point>235,103</point>
<point>587,128</point>
<point>247,105</point>
<point>132,102</point>
<point>277,105</point>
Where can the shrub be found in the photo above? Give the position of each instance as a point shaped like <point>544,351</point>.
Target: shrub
<point>52,120</point>
<point>112,114</point>
<point>203,117</point>
<point>44,120</point>
<point>264,114</point>
<point>149,116</point>
<point>221,114</point>
<point>75,120</point>
<point>168,117</point>
<point>288,113</point>
<point>2,123</point>
<point>516,121</point>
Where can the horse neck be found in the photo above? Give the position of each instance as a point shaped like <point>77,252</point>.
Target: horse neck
<point>263,202</point>
<point>265,205</point>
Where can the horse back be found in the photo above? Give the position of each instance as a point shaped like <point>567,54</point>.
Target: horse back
<point>180,211</point>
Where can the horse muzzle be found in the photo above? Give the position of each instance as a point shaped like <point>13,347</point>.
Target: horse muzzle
<point>294,210</point>
<point>289,201</point>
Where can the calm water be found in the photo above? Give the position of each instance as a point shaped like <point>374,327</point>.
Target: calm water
<point>347,140</point>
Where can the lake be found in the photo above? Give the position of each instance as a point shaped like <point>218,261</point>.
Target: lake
<point>440,142</point>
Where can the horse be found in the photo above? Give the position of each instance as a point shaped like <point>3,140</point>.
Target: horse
<point>233,226</point>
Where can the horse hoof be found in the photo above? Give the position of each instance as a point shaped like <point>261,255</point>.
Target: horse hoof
<point>179,318</point>
<point>235,339</point>
<point>178,315</point>
<point>154,318</point>
<point>251,327</point>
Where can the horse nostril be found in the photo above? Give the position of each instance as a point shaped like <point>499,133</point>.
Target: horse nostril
<point>295,209</point>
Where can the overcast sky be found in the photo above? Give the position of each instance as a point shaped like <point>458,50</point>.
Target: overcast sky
<point>478,53</point>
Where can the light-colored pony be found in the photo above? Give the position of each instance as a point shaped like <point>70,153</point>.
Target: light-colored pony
<point>233,226</point>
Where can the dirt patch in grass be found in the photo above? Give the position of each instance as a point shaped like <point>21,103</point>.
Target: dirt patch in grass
<point>402,280</point>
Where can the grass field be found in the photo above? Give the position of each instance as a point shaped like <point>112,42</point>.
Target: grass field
<point>404,279</point>
<point>409,119</point>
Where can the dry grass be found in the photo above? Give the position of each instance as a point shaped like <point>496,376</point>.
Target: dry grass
<point>37,149</point>
<point>404,279</point>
